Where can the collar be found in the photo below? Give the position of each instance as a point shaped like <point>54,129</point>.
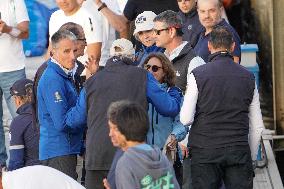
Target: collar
<point>176,51</point>
<point>68,72</point>
<point>215,55</point>
<point>191,13</point>
<point>25,109</point>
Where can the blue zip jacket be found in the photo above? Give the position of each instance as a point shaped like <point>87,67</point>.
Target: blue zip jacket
<point>167,104</point>
<point>56,95</point>
<point>141,55</point>
<point>162,126</point>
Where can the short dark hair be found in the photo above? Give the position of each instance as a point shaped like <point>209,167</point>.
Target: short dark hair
<point>76,29</point>
<point>171,19</point>
<point>130,118</point>
<point>168,68</point>
<point>221,37</point>
<point>60,35</point>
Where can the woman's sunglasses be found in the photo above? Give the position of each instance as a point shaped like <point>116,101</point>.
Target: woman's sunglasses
<point>153,67</point>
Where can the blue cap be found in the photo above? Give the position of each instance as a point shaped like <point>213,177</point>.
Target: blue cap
<point>19,88</point>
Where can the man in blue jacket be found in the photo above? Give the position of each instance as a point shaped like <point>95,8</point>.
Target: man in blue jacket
<point>59,143</point>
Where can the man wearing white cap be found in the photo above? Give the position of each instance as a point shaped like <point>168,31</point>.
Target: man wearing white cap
<point>144,33</point>
<point>119,80</point>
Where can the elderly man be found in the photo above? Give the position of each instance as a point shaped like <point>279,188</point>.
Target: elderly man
<point>210,16</point>
<point>59,142</point>
<point>191,26</point>
<point>222,104</point>
<point>14,26</point>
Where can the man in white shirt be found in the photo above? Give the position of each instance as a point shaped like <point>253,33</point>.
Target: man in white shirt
<point>37,177</point>
<point>222,104</point>
<point>71,11</point>
<point>14,26</point>
<point>108,31</point>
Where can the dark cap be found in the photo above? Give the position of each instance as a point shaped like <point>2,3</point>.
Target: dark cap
<point>19,88</point>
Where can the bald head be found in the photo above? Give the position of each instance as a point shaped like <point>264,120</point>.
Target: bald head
<point>209,12</point>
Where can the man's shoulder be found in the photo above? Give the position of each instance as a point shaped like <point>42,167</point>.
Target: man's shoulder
<point>56,14</point>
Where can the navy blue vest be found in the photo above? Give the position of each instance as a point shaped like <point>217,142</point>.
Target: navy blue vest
<point>225,92</point>
<point>117,81</point>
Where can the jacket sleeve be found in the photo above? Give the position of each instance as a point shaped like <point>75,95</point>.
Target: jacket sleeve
<point>16,148</point>
<point>166,103</point>
<point>179,130</point>
<point>77,115</point>
<point>57,105</point>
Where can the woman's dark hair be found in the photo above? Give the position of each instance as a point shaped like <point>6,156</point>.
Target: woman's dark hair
<point>130,118</point>
<point>170,75</point>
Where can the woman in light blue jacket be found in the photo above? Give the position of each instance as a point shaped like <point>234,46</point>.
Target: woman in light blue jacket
<point>161,127</point>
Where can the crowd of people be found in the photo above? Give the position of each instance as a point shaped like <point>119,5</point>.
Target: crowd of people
<point>153,97</point>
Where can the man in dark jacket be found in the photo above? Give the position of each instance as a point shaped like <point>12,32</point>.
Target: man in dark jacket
<point>168,29</point>
<point>191,26</point>
<point>223,107</point>
<point>24,134</point>
<point>210,16</point>
<point>119,80</point>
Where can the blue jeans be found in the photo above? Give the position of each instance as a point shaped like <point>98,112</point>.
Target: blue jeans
<point>7,79</point>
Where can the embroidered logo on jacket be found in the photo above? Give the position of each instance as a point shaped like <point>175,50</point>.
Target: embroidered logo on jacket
<point>164,182</point>
<point>57,97</point>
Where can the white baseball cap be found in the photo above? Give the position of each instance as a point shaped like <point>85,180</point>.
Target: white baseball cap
<point>122,47</point>
<point>144,21</point>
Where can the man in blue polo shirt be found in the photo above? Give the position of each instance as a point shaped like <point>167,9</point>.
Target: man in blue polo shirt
<point>209,12</point>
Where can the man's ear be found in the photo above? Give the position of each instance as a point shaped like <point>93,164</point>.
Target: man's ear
<point>232,47</point>
<point>210,47</point>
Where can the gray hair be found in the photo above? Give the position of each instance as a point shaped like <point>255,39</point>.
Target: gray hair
<point>170,19</point>
<point>60,35</point>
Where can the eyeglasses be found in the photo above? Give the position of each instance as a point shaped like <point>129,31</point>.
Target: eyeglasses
<point>154,68</point>
<point>82,39</point>
<point>182,0</point>
<point>158,32</point>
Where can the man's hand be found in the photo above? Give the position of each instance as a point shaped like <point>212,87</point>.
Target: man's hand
<point>184,150</point>
<point>92,66</point>
<point>106,184</point>
<point>173,142</point>
<point>4,28</point>
<point>98,2</point>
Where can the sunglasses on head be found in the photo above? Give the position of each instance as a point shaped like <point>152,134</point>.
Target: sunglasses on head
<point>153,67</point>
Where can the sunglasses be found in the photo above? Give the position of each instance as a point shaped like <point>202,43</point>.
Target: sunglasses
<point>158,32</point>
<point>153,67</point>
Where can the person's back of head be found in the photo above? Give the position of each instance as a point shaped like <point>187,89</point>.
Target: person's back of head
<point>22,91</point>
<point>221,39</point>
<point>130,118</point>
<point>123,49</point>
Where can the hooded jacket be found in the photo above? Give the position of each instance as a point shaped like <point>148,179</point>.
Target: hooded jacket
<point>161,126</point>
<point>144,166</point>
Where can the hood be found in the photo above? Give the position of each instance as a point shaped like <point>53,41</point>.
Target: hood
<point>151,159</point>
